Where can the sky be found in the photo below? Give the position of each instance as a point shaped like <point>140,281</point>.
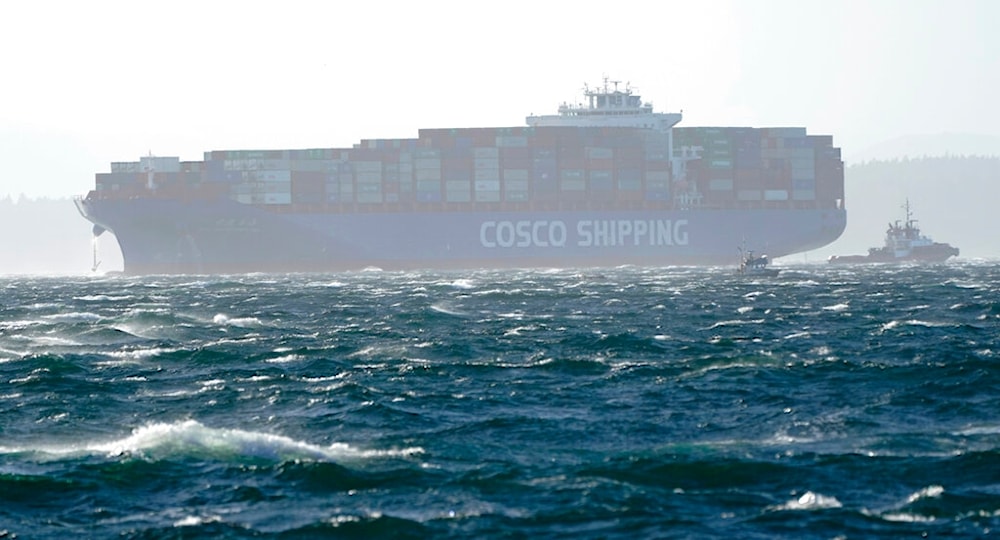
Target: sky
<point>87,83</point>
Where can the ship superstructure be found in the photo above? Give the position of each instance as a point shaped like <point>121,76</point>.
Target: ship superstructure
<point>608,182</point>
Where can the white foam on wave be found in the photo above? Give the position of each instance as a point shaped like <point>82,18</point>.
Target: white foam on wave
<point>191,438</point>
<point>929,492</point>
<point>76,316</point>
<point>135,355</point>
<point>101,297</point>
<point>463,283</point>
<point>446,309</point>
<point>242,322</point>
<point>903,517</point>
<point>836,307</point>
<point>979,430</point>
<point>810,501</point>
<point>737,322</point>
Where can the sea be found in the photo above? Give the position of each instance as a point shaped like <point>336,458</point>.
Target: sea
<point>828,402</point>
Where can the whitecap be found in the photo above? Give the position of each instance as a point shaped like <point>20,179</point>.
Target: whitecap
<point>77,316</point>
<point>836,307</point>
<point>191,438</point>
<point>139,354</point>
<point>285,359</point>
<point>194,521</point>
<point>889,325</point>
<point>447,310</point>
<point>929,492</point>
<point>810,501</point>
<point>980,430</point>
<point>243,322</point>
<point>463,284</point>
<point>902,517</point>
<point>735,323</point>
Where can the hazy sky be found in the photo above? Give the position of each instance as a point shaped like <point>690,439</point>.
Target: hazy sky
<point>87,83</point>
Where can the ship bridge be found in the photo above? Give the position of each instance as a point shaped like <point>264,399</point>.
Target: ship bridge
<point>609,106</point>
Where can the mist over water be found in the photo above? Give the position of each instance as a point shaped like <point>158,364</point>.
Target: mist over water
<point>826,402</point>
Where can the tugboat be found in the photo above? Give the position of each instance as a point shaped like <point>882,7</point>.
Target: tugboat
<point>751,265</point>
<point>903,243</point>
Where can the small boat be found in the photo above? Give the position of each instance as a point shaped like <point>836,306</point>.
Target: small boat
<point>903,243</point>
<point>752,265</point>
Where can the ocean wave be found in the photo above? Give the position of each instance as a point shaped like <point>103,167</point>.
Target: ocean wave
<point>810,501</point>
<point>242,322</point>
<point>192,439</point>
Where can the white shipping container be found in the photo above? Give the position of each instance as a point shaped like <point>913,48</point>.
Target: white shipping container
<point>160,164</point>
<point>802,163</point>
<point>312,165</point>
<point>427,153</point>
<point>598,152</point>
<point>776,195</point>
<point>486,152</point>
<point>787,132</point>
<point>367,166</point>
<point>486,163</point>
<point>804,175</point>
<point>487,174</point>
<point>720,184</point>
<point>369,187</point>
<point>427,164</point>
<point>458,196</point>
<point>515,174</point>
<point>277,198</point>
<point>274,164</point>
<point>369,197</point>
<point>509,141</point>
<point>488,196</point>
<point>515,185</point>
<point>125,167</point>
<point>428,174</point>
<point>273,176</point>
<point>487,185</point>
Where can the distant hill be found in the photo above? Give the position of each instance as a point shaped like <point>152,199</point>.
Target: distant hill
<point>49,236</point>
<point>955,200</point>
<point>928,145</point>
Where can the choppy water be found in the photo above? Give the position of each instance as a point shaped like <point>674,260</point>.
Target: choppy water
<point>828,402</point>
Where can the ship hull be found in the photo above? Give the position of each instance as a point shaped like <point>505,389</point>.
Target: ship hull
<point>164,236</point>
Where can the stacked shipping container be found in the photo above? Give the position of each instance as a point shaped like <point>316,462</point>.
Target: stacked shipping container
<point>464,168</point>
<point>776,166</point>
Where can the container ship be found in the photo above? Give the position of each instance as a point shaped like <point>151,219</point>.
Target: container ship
<point>606,182</point>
